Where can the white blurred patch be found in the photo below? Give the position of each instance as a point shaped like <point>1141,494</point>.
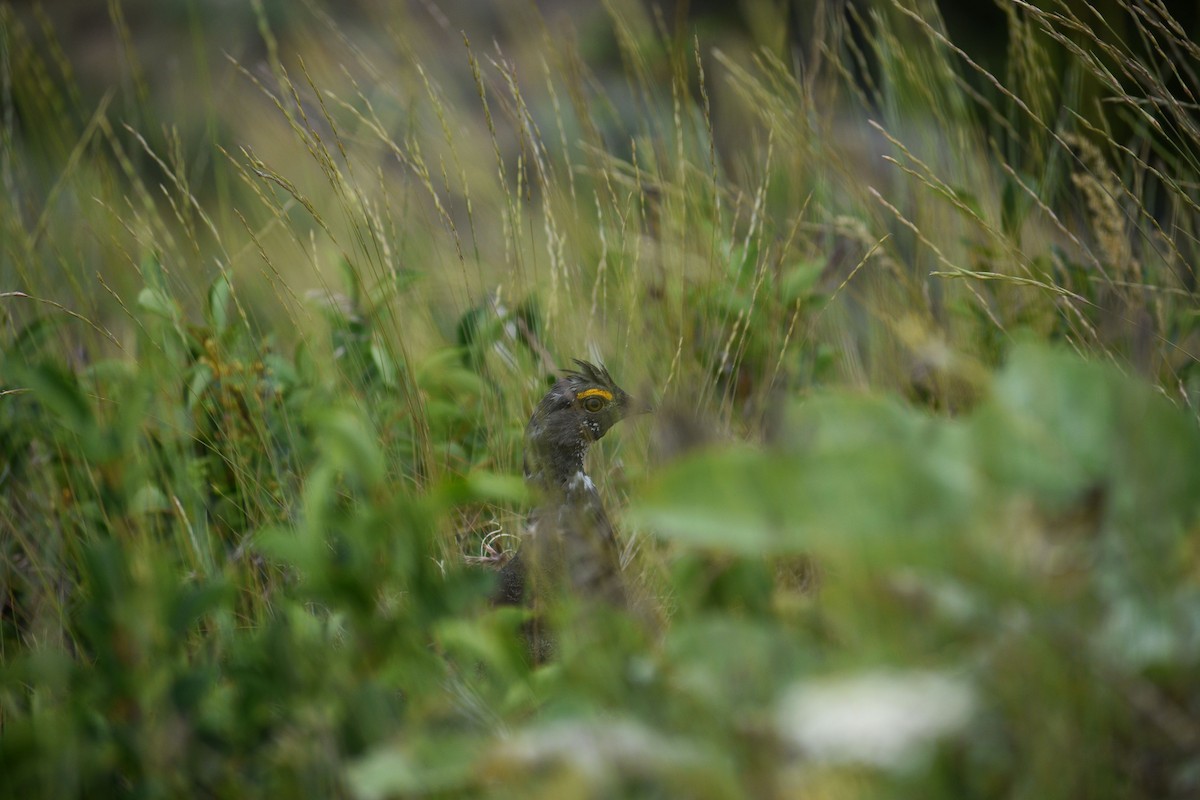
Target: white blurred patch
<point>600,748</point>
<point>880,719</point>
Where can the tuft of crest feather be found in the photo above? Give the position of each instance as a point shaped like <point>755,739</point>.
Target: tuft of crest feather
<point>590,373</point>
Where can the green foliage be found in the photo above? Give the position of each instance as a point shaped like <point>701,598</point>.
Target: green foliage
<point>918,510</point>
<point>1054,430</point>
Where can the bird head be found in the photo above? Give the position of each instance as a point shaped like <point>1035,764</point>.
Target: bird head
<point>579,409</point>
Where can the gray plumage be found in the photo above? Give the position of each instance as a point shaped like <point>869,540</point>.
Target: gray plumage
<point>569,543</point>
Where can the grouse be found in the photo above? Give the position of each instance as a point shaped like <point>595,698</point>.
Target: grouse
<point>569,543</point>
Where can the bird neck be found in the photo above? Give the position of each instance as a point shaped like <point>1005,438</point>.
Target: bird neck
<point>557,470</point>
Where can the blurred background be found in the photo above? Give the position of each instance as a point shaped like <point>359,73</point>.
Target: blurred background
<point>912,287</point>
<point>184,86</point>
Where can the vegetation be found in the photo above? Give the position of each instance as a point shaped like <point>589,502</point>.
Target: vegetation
<point>918,514</point>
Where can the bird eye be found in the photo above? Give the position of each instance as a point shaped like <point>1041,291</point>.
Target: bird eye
<point>593,403</point>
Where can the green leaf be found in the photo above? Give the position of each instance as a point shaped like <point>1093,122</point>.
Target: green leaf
<point>852,469</point>
<point>800,280</point>
<point>149,499</point>
<point>421,766</point>
<point>352,282</point>
<point>195,602</point>
<point>59,392</point>
<point>725,499</point>
<point>492,645</point>
<point>32,338</point>
<point>348,446</point>
<point>202,378</point>
<point>485,486</point>
<point>291,546</point>
<point>159,304</point>
<point>397,282</point>
<point>382,359</point>
<point>218,303</point>
<point>1058,426</point>
<point>1015,204</point>
<point>306,368</point>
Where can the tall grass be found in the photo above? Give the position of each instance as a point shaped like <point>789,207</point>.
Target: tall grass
<point>918,512</point>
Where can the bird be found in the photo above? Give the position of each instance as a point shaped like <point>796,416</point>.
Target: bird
<point>568,543</point>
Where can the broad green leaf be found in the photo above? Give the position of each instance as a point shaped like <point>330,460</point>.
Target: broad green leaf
<point>799,280</point>
<point>1057,426</point>
<point>202,378</point>
<point>218,303</point>
<point>385,364</point>
<point>726,499</point>
<point>149,499</point>
<point>60,393</point>
<point>850,468</point>
<point>420,766</point>
<point>32,338</point>
<point>348,446</point>
<point>495,487</point>
<point>158,303</point>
